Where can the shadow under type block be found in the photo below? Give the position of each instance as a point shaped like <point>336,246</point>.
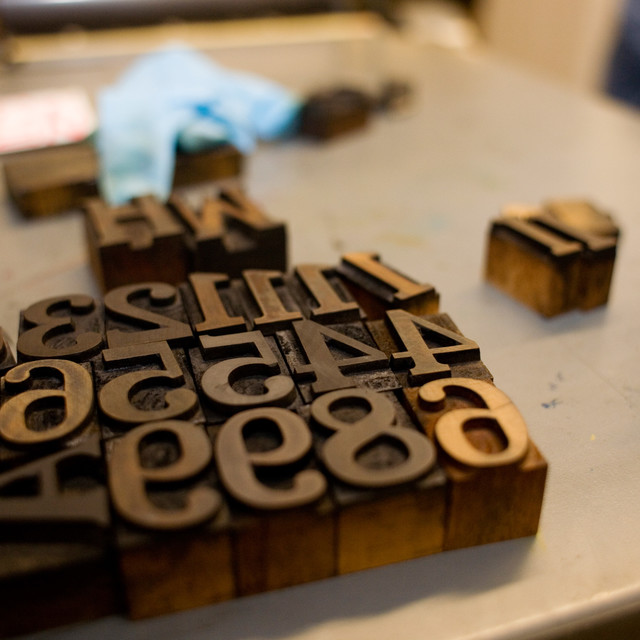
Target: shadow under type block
<point>553,258</point>
<point>50,181</point>
<point>146,240</point>
<point>231,436</point>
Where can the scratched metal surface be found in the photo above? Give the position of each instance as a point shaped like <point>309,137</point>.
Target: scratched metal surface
<point>420,188</point>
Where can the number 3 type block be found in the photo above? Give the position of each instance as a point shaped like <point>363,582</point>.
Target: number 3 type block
<point>553,258</point>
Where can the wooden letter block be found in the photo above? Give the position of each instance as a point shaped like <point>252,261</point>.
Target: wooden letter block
<point>142,383</point>
<point>322,296</point>
<point>496,475</point>
<point>389,493</point>
<point>134,243</point>
<point>212,304</point>
<point>49,181</point>
<point>281,520</point>
<point>547,264</point>
<point>424,348</point>
<point>47,405</point>
<point>332,113</point>
<point>55,565</point>
<point>211,165</point>
<point>146,312</point>
<point>241,371</point>
<point>231,233</point>
<point>173,546</point>
<point>69,327</point>
<point>325,358</point>
<point>378,287</point>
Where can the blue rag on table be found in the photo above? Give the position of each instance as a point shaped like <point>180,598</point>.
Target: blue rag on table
<point>179,98</point>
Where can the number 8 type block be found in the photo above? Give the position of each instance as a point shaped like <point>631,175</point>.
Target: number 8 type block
<point>250,434</point>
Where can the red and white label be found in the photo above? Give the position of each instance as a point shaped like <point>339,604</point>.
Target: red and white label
<point>44,119</point>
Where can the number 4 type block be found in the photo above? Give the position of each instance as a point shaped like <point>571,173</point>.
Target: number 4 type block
<point>554,258</point>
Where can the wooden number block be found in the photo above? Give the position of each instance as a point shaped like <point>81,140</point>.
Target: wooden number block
<point>55,566</point>
<point>68,327</point>
<point>424,348</point>
<point>173,545</point>
<point>143,383</point>
<point>136,242</point>
<point>269,302</point>
<point>321,294</point>
<point>331,113</point>
<point>241,371</point>
<point>213,305</point>
<point>388,490</point>
<point>496,475</point>
<point>583,216</point>
<point>49,181</point>
<point>281,519</point>
<point>6,355</point>
<point>47,405</point>
<point>217,163</point>
<point>324,358</point>
<point>377,287</point>
<point>146,312</point>
<point>231,233</point>
<point>548,264</point>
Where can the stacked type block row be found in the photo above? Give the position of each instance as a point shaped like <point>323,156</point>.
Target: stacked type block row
<point>553,258</point>
<point>149,240</point>
<point>49,181</point>
<point>170,447</point>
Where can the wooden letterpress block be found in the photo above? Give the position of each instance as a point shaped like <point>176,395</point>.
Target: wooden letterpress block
<point>388,491</point>
<point>582,216</point>
<point>224,161</point>
<point>496,475</point>
<point>142,383</point>
<point>6,356</point>
<point>173,545</point>
<point>281,520</point>
<point>55,565</point>
<point>548,265</point>
<point>146,312</point>
<point>269,302</point>
<point>231,233</point>
<point>332,113</point>
<point>47,405</point>
<point>321,294</point>
<point>378,287</point>
<point>135,242</point>
<point>68,327</point>
<point>424,348</point>
<point>324,358</point>
<point>241,371</point>
<point>49,181</point>
<point>214,307</point>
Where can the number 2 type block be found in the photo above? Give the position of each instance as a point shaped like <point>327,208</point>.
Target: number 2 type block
<point>553,258</point>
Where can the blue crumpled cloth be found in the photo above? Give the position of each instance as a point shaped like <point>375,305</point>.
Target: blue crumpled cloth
<point>179,98</point>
